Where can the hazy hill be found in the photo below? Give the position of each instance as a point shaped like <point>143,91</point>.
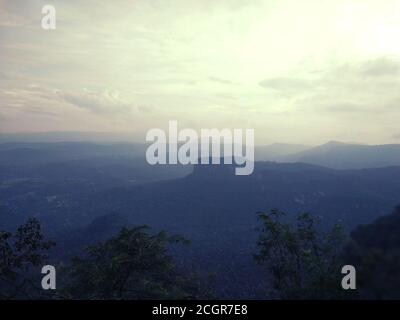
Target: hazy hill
<point>28,154</point>
<point>340,155</point>
<point>276,151</point>
<point>213,193</point>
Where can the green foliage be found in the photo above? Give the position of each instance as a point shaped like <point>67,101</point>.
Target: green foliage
<point>303,262</point>
<point>134,264</point>
<point>19,254</point>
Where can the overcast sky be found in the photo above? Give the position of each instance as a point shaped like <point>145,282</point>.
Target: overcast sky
<point>296,71</point>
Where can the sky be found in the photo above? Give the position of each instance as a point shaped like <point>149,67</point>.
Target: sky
<point>294,71</point>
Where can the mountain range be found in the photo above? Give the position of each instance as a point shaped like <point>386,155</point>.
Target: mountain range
<point>334,154</point>
<point>83,192</point>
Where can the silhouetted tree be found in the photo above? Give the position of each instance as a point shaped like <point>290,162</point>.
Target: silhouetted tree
<point>303,263</point>
<point>20,253</point>
<point>134,264</point>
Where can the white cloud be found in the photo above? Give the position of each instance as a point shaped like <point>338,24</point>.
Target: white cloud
<point>107,101</point>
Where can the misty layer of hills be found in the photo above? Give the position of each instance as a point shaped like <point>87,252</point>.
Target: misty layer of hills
<point>84,192</point>
<point>336,155</point>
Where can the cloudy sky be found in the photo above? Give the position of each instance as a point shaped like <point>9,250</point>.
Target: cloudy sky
<point>296,71</point>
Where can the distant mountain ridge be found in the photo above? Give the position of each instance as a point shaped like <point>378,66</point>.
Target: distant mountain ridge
<point>42,153</point>
<point>275,151</point>
<point>338,155</point>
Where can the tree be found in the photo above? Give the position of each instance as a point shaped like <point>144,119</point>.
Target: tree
<point>134,264</point>
<point>304,263</point>
<point>19,254</point>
